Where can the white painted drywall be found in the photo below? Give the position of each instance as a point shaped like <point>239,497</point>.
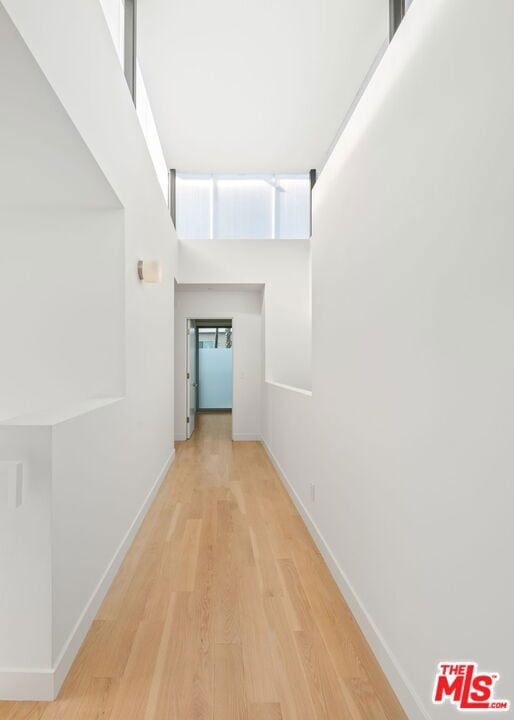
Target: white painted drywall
<point>87,483</point>
<point>283,267</point>
<point>114,11</point>
<point>287,428</point>
<point>25,558</point>
<point>146,118</point>
<point>91,96</point>
<point>45,162</point>
<point>61,243</point>
<point>413,352</point>
<point>62,293</point>
<point>245,307</point>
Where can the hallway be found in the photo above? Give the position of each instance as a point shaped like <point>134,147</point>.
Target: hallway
<point>310,205</point>
<point>223,609</point>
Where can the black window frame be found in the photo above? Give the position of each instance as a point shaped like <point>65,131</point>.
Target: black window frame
<point>130,45</point>
<point>396,15</point>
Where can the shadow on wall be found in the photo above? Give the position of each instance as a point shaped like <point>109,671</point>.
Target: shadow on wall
<point>61,242</point>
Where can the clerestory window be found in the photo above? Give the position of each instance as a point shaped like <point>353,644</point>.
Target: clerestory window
<point>225,207</point>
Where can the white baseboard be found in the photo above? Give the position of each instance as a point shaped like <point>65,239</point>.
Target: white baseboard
<point>405,693</point>
<point>235,436</point>
<point>246,436</point>
<point>20,684</point>
<point>35,684</point>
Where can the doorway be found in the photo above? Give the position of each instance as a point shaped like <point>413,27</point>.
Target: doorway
<point>209,368</point>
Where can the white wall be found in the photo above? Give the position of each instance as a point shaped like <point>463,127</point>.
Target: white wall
<point>413,352</point>
<point>114,11</point>
<point>90,92</point>
<point>25,560</point>
<point>45,162</point>
<point>62,293</point>
<point>283,267</point>
<point>146,118</point>
<point>286,430</point>
<point>85,497</point>
<point>245,307</point>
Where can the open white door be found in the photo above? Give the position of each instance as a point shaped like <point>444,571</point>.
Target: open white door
<point>190,378</point>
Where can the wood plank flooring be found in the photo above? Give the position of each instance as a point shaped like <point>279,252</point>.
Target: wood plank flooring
<point>223,609</point>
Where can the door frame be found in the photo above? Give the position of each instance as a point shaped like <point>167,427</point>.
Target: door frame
<point>208,316</point>
<point>187,410</point>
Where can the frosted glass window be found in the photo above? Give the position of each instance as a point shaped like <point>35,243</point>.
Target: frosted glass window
<point>194,207</point>
<point>215,378</point>
<point>293,207</point>
<point>243,209</point>
<point>228,207</point>
<point>214,368</point>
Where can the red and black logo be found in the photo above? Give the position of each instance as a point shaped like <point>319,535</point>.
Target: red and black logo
<point>467,688</point>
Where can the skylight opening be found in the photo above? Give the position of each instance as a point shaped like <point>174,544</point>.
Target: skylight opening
<point>243,207</point>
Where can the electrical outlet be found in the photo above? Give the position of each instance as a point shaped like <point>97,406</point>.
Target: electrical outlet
<point>313,492</point>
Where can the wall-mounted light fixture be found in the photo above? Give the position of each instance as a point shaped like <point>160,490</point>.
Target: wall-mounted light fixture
<point>149,271</point>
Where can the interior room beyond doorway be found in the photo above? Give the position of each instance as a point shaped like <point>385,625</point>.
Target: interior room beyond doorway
<point>209,368</point>
<point>214,365</point>
<point>240,309</point>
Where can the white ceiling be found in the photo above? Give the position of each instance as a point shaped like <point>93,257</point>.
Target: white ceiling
<point>255,85</point>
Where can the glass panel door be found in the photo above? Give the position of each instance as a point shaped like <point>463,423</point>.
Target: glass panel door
<point>215,368</point>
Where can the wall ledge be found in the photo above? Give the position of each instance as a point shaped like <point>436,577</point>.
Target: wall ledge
<point>291,388</point>
<point>56,415</point>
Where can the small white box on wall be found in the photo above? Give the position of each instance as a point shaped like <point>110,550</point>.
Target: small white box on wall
<point>11,483</point>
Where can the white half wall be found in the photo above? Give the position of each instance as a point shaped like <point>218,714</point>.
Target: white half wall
<point>286,432</point>
<point>61,545</point>
<point>25,560</point>
<point>244,306</point>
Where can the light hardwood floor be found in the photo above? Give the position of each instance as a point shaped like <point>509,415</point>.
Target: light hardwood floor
<point>223,609</point>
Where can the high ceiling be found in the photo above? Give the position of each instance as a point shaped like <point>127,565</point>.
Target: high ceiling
<point>255,85</point>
